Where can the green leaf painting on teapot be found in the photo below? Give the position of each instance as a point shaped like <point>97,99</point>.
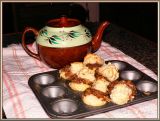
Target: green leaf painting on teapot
<point>64,37</point>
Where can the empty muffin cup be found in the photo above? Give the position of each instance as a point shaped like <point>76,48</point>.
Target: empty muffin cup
<point>130,75</point>
<point>64,106</point>
<point>53,91</point>
<point>119,64</point>
<point>147,87</point>
<point>44,79</point>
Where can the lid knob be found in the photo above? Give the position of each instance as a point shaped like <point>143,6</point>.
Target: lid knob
<point>63,21</point>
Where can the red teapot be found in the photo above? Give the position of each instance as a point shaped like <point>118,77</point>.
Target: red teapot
<point>63,41</point>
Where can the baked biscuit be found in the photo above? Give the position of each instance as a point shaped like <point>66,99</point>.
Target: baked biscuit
<point>85,77</point>
<point>101,84</point>
<point>65,73</point>
<point>76,67</point>
<point>87,74</point>
<point>93,97</point>
<point>93,61</point>
<point>78,86</point>
<point>70,71</point>
<point>122,91</point>
<point>109,71</point>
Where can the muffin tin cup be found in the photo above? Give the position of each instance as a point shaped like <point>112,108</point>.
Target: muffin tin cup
<point>59,101</point>
<point>130,75</point>
<point>44,79</point>
<point>64,106</point>
<point>53,91</point>
<point>147,87</point>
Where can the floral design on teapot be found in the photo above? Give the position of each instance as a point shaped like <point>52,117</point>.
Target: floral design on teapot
<point>53,39</point>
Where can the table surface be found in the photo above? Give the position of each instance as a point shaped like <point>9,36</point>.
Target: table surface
<point>141,49</point>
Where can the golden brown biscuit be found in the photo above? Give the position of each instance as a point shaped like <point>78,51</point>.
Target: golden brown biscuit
<point>94,97</point>
<point>78,86</point>
<point>93,61</point>
<point>76,67</point>
<point>122,91</point>
<point>70,71</point>
<point>109,71</point>
<point>87,74</point>
<point>101,84</point>
<point>65,73</point>
<point>92,100</point>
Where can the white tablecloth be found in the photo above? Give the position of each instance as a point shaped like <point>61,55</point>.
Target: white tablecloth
<point>20,102</point>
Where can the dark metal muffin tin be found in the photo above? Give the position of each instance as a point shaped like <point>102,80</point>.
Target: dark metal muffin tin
<point>59,101</point>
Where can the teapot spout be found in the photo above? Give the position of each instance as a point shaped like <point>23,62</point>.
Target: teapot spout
<point>97,38</point>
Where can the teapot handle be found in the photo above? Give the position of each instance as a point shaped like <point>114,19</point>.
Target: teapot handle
<point>29,29</point>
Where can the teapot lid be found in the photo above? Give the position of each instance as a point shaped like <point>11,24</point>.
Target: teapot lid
<point>63,22</point>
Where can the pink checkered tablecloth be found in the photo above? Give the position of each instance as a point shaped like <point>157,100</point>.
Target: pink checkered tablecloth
<point>19,101</point>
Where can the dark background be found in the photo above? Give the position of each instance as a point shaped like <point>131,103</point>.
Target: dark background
<point>140,18</point>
